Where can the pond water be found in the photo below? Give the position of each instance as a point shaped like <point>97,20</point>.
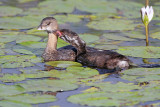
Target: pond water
<point>27,81</point>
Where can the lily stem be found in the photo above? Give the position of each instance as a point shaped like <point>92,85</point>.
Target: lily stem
<point>146,29</point>
<point>147,3</point>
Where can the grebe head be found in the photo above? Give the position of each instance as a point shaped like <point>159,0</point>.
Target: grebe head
<point>49,24</point>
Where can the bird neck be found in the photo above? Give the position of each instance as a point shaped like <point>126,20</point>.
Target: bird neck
<point>52,42</point>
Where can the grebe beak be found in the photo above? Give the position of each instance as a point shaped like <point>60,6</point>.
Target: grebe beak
<point>39,27</point>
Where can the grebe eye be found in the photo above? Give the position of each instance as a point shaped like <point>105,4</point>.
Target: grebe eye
<point>48,23</point>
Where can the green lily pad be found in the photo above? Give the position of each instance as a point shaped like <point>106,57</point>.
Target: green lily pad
<point>102,99</point>
<point>34,44</point>
<point>31,98</point>
<point>89,37</point>
<point>140,51</point>
<point>112,24</point>
<point>14,61</point>
<point>142,71</point>
<point>9,11</point>
<point>48,85</point>
<point>155,35</point>
<point>7,38</point>
<point>23,51</point>
<point>61,43</point>
<point>24,38</point>
<point>25,1</point>
<point>6,103</point>
<point>36,32</point>
<point>141,78</point>
<point>95,7</point>
<point>119,87</point>
<point>12,77</point>
<point>62,19</point>
<point>24,22</point>
<point>135,34</point>
<point>117,37</point>
<point>8,90</point>
<point>63,64</point>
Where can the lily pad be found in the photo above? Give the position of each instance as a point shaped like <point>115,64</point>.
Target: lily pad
<point>62,19</point>
<point>24,38</point>
<point>9,11</point>
<point>12,77</point>
<point>23,51</point>
<point>6,103</point>
<point>25,1</point>
<point>34,44</point>
<point>36,32</point>
<point>102,99</point>
<point>111,36</point>
<point>89,37</point>
<point>8,90</point>
<point>31,98</point>
<point>48,85</point>
<point>140,51</point>
<point>112,24</point>
<point>135,34</point>
<point>14,61</point>
<point>119,87</point>
<point>142,71</point>
<point>144,78</point>
<point>155,35</point>
<point>24,22</point>
<point>63,64</point>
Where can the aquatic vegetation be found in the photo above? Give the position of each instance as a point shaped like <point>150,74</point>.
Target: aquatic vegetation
<point>27,81</point>
<point>147,15</point>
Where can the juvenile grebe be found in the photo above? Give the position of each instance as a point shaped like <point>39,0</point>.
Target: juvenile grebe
<point>96,58</point>
<point>51,53</point>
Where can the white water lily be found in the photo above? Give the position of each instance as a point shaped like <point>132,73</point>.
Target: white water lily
<point>147,14</point>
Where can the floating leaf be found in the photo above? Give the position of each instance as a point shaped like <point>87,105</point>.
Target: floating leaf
<point>31,98</point>
<point>119,87</point>
<point>9,11</point>
<point>24,22</point>
<point>102,99</point>
<point>155,35</point>
<point>12,77</point>
<point>69,18</point>
<point>25,1</point>
<point>142,71</point>
<point>5,103</point>
<point>14,61</point>
<point>37,32</point>
<point>23,51</point>
<point>8,90</point>
<point>117,37</point>
<point>34,44</point>
<point>134,34</point>
<point>140,51</point>
<point>63,64</point>
<point>24,38</point>
<point>89,37</point>
<point>48,85</point>
<point>112,24</point>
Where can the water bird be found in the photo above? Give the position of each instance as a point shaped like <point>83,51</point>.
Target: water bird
<point>51,53</point>
<point>88,56</point>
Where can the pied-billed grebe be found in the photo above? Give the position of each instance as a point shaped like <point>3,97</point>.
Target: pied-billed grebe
<point>96,58</point>
<point>86,55</point>
<point>51,53</point>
